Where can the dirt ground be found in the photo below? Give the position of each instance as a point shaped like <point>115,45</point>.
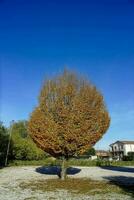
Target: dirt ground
<point>11,179</point>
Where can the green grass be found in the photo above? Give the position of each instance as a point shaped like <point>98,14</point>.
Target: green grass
<point>122,163</point>
<point>77,186</point>
<point>71,162</point>
<point>46,162</point>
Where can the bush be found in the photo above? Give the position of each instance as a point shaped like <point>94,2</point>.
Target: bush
<point>3,143</point>
<point>129,157</point>
<point>26,150</point>
<point>23,146</point>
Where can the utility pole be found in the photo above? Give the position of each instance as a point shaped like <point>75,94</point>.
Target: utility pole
<point>9,141</point>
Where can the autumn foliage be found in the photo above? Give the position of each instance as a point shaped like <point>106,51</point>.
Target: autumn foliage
<point>70,118</point>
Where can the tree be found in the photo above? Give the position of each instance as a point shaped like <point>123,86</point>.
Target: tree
<point>3,143</point>
<point>70,118</point>
<point>23,148</point>
<point>90,152</point>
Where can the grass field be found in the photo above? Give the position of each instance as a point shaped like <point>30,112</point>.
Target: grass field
<point>71,162</point>
<point>79,187</point>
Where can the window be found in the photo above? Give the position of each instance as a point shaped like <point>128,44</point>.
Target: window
<point>121,147</point>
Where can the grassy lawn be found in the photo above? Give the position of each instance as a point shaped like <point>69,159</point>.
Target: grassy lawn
<point>71,162</point>
<point>79,186</point>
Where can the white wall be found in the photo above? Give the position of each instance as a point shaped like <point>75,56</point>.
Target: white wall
<point>123,147</point>
<point>118,147</point>
<point>128,148</point>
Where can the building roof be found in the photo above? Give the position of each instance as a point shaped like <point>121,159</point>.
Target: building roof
<point>102,153</point>
<point>123,142</point>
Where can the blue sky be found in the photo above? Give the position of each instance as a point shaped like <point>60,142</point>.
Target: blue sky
<point>95,38</point>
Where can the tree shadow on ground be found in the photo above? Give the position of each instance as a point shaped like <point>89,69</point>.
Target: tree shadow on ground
<point>56,170</point>
<point>120,169</point>
<point>126,183</point>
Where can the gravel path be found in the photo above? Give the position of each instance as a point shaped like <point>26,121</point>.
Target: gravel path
<point>12,177</point>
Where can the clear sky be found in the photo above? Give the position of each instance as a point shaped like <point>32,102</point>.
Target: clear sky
<point>96,38</point>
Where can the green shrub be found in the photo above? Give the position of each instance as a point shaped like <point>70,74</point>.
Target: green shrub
<point>129,157</point>
<point>99,162</point>
<point>3,143</point>
<point>23,146</point>
<point>25,149</point>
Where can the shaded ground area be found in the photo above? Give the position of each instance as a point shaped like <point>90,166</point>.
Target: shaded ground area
<point>123,182</point>
<point>120,169</point>
<point>95,183</point>
<point>54,170</point>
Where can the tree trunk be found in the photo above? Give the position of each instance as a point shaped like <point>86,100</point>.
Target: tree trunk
<point>63,169</point>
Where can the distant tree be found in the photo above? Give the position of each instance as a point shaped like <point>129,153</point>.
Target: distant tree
<point>19,129</point>
<point>70,118</point>
<point>3,143</point>
<point>3,130</point>
<point>90,152</point>
<point>23,148</point>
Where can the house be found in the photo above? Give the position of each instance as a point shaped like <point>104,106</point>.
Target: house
<point>119,149</point>
<point>102,154</point>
